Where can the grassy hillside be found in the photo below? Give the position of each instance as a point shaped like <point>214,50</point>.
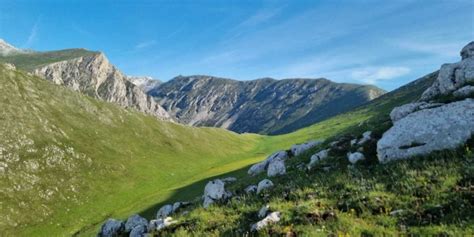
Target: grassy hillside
<point>74,161</point>
<point>30,61</point>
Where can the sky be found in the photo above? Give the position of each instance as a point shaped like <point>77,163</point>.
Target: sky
<point>385,43</point>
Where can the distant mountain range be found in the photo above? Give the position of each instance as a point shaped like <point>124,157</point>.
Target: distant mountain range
<point>265,106</point>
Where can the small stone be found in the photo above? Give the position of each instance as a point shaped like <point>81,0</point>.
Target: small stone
<point>273,217</point>
<point>264,185</point>
<point>355,157</point>
<point>164,211</point>
<point>251,189</point>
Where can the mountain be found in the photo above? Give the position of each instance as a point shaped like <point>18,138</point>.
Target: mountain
<point>265,106</point>
<point>90,73</point>
<point>143,82</point>
<point>7,49</point>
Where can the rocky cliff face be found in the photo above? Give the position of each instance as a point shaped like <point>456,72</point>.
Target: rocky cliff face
<point>143,82</point>
<point>95,76</point>
<point>261,106</point>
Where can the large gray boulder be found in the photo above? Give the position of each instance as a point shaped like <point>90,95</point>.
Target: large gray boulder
<point>299,149</point>
<point>406,109</point>
<point>164,211</point>
<point>453,76</point>
<point>135,220</point>
<point>262,166</point>
<point>428,130</point>
<point>273,217</point>
<point>214,191</point>
<point>276,167</point>
<point>264,185</point>
<point>321,155</point>
<point>139,231</point>
<point>111,228</point>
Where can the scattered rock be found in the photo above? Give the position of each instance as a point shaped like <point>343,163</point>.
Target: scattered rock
<point>428,130</point>
<point>229,179</point>
<point>276,167</point>
<point>353,141</point>
<point>263,211</point>
<point>139,231</point>
<point>111,228</point>
<point>298,149</point>
<point>321,155</point>
<point>264,185</point>
<point>161,223</point>
<point>262,166</point>
<point>251,189</point>
<point>9,66</point>
<point>273,217</point>
<point>365,138</point>
<point>464,92</point>
<point>164,211</point>
<point>468,51</point>
<point>133,221</point>
<point>215,191</point>
<point>178,205</point>
<point>355,157</point>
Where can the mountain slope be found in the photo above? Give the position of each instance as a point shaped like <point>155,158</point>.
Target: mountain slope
<point>63,154</point>
<point>265,106</point>
<point>89,72</point>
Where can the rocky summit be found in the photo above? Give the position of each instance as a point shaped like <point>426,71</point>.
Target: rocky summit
<point>266,106</point>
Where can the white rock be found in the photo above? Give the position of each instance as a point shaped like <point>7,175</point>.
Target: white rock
<point>425,131</point>
<point>464,92</point>
<point>263,211</point>
<point>273,217</point>
<point>207,202</point>
<point>178,205</point>
<point>160,223</point>
<point>229,179</point>
<point>276,167</point>
<point>134,220</point>
<point>214,190</point>
<point>9,66</point>
<point>111,228</point>
<point>353,141</point>
<point>251,189</point>
<point>321,155</point>
<point>264,185</point>
<point>164,211</point>
<point>298,149</point>
<point>355,157</point>
<point>262,166</point>
<point>365,138</point>
<point>404,110</point>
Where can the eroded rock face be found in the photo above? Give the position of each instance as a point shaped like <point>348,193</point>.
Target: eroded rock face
<point>464,92</point>
<point>111,228</point>
<point>95,76</point>
<point>428,130</point>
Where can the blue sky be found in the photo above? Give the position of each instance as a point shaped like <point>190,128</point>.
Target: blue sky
<point>386,43</point>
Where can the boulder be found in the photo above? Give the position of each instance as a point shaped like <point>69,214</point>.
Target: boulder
<point>452,76</point>
<point>276,167</point>
<point>273,217</point>
<point>355,157</point>
<point>464,92</point>
<point>321,155</point>
<point>214,191</point>
<point>161,223</point>
<point>262,166</point>
<point>229,179</point>
<point>263,211</point>
<point>134,220</point>
<point>164,211</point>
<point>251,189</point>
<point>404,110</point>
<point>366,136</point>
<point>111,228</point>
<point>428,130</point>
<point>264,185</point>
<point>178,205</point>
<point>299,149</point>
<point>468,51</point>
<point>139,231</point>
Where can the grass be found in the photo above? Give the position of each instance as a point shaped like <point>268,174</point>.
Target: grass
<point>30,61</point>
<point>74,161</point>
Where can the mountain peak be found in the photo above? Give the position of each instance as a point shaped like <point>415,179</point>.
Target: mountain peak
<point>6,48</point>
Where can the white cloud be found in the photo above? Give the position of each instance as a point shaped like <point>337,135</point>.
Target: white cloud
<point>33,34</point>
<point>371,75</point>
<point>145,44</point>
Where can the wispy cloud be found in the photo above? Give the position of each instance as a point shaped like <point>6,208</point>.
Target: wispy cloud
<point>372,75</point>
<point>32,37</point>
<point>145,44</point>
<point>260,17</point>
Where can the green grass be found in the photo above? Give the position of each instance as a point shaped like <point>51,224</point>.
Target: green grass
<point>30,61</point>
<point>74,161</point>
